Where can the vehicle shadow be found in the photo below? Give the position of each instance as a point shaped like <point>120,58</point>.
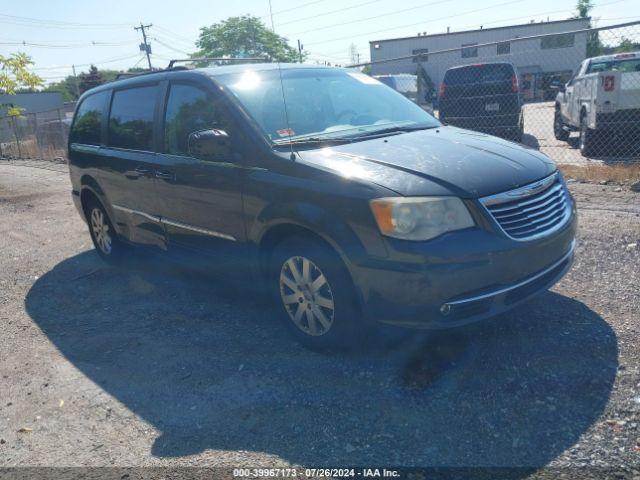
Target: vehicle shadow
<point>211,368</point>
<point>530,141</point>
<point>612,151</point>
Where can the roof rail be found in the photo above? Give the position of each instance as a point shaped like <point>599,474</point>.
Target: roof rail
<point>217,59</point>
<point>146,72</point>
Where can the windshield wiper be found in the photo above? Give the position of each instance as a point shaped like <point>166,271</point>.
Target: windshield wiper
<point>394,129</point>
<point>311,141</point>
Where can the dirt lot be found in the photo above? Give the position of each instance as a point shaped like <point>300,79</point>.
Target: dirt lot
<point>154,365</point>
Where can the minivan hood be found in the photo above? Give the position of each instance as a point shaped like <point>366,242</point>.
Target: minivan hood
<point>442,161</point>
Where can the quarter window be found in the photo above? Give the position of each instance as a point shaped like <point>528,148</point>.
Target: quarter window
<point>189,109</point>
<point>131,118</point>
<point>88,123</point>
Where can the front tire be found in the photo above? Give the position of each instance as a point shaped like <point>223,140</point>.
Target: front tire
<point>558,127</point>
<point>588,138</point>
<point>103,235</point>
<point>313,290</point>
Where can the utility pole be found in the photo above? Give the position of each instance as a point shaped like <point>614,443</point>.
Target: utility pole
<point>300,47</point>
<point>144,46</point>
<point>75,81</point>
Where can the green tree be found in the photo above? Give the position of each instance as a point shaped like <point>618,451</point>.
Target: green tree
<point>15,75</point>
<point>626,45</point>
<point>245,36</point>
<point>91,79</point>
<point>68,87</point>
<point>594,45</point>
<point>583,8</point>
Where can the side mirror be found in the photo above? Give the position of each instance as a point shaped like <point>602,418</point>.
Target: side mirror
<point>212,144</point>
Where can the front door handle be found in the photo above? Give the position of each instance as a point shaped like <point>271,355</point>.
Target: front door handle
<point>138,172</point>
<point>164,174</point>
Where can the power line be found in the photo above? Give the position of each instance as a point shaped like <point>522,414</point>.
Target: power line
<point>474,11</point>
<point>63,45</point>
<point>417,23</point>
<point>30,21</point>
<point>360,20</point>
<point>170,47</point>
<point>101,62</point>
<point>295,8</point>
<point>328,13</point>
<point>564,10</point>
<point>174,35</point>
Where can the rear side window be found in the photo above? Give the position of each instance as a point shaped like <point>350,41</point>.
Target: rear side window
<point>189,109</point>
<point>131,118</point>
<point>479,74</point>
<point>87,124</point>
<point>624,66</point>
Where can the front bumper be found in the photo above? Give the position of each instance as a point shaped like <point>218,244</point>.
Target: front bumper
<point>462,277</point>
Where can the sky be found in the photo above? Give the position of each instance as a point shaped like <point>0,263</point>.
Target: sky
<point>58,34</point>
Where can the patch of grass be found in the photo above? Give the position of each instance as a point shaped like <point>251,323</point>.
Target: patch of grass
<point>621,174</point>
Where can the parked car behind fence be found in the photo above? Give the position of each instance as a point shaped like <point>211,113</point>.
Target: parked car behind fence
<point>602,102</point>
<point>484,97</point>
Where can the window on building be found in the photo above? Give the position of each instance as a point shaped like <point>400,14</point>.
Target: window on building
<point>131,118</point>
<point>469,50</point>
<point>189,109</point>
<point>87,125</point>
<point>564,40</point>
<point>422,55</point>
<point>504,48</point>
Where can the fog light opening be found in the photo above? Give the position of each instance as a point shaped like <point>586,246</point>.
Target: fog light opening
<point>445,309</point>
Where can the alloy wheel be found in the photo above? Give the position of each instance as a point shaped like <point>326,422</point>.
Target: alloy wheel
<point>100,229</point>
<point>307,296</point>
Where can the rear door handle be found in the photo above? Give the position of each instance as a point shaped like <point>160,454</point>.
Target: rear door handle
<point>164,174</point>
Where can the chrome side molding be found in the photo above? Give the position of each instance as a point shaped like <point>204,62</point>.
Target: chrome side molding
<point>193,228</point>
<point>130,211</point>
<point>175,223</point>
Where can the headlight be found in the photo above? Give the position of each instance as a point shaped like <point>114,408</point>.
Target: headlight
<point>420,218</point>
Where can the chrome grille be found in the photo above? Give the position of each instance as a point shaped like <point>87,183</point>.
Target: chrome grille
<point>531,211</point>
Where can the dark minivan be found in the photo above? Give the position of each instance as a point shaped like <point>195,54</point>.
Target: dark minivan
<point>484,97</point>
<point>352,205</point>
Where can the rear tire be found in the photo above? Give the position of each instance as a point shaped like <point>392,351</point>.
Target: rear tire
<point>588,138</point>
<point>519,132</point>
<point>315,294</point>
<point>103,235</point>
<point>558,127</point>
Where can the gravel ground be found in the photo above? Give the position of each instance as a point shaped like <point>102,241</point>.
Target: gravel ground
<point>154,365</point>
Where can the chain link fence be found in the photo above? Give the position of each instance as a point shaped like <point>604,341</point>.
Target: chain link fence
<point>36,136</point>
<point>574,95</point>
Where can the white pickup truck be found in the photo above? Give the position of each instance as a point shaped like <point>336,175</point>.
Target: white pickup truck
<point>601,101</point>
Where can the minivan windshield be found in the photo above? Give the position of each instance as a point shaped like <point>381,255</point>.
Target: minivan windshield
<point>323,104</point>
